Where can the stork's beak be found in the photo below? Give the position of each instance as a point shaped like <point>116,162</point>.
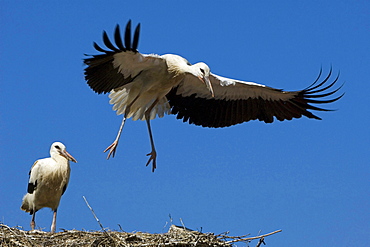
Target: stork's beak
<point>206,81</point>
<point>68,156</point>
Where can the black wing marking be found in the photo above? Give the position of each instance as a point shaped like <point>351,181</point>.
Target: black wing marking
<point>222,113</point>
<point>64,189</point>
<point>100,74</point>
<point>135,42</point>
<point>118,40</point>
<point>31,187</point>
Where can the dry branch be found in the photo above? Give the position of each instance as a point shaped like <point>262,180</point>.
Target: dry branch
<point>251,238</point>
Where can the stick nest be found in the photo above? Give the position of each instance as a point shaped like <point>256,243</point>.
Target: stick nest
<point>176,236</point>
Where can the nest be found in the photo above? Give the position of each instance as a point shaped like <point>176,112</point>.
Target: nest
<point>176,236</point>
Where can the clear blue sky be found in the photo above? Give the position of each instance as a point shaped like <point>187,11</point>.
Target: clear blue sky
<point>309,178</point>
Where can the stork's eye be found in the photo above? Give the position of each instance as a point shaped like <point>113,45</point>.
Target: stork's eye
<point>202,70</point>
<point>57,147</point>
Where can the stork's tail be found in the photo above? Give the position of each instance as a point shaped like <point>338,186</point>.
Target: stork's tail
<point>121,98</point>
<point>27,205</point>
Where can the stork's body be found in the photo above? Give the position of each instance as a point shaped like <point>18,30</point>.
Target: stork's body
<point>48,181</point>
<point>145,86</point>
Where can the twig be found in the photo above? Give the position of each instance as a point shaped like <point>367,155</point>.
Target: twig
<point>261,241</point>
<point>182,223</point>
<point>224,236</point>
<point>252,238</point>
<point>169,215</point>
<point>92,211</point>
<point>101,226</point>
<point>165,225</point>
<point>120,227</point>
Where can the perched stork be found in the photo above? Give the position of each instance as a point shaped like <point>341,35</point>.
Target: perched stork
<point>144,86</point>
<point>48,181</point>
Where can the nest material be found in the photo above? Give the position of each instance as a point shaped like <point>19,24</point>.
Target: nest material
<point>176,236</point>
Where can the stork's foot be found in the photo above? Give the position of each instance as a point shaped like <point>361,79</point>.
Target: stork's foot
<point>112,149</point>
<point>32,225</point>
<point>153,157</point>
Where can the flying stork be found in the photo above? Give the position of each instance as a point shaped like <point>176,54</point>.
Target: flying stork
<point>48,181</point>
<point>144,86</point>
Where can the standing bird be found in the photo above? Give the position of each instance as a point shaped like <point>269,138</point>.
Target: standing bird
<point>47,183</point>
<point>144,86</point>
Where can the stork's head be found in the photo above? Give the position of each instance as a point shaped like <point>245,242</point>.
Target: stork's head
<point>58,149</point>
<point>202,71</point>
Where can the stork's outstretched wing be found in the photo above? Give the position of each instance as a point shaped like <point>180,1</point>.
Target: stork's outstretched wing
<point>238,101</point>
<point>119,65</point>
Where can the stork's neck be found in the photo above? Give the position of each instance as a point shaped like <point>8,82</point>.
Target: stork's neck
<point>60,160</point>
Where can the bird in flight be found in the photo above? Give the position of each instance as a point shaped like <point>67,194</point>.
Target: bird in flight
<point>48,181</point>
<point>144,86</point>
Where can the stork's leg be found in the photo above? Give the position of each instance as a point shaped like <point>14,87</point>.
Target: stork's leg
<point>54,223</point>
<point>153,153</point>
<point>33,220</point>
<point>112,147</point>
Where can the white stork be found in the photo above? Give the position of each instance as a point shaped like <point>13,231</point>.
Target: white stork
<point>48,181</point>
<point>144,86</point>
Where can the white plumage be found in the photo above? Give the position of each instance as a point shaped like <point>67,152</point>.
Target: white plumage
<point>145,86</point>
<point>48,181</point>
